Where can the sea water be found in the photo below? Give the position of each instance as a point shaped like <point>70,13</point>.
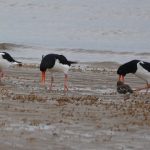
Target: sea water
<point>89,30</point>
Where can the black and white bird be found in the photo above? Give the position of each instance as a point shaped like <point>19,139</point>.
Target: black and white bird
<point>140,68</point>
<point>6,61</point>
<point>55,63</point>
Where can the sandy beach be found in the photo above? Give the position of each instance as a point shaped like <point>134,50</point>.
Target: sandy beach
<point>90,116</point>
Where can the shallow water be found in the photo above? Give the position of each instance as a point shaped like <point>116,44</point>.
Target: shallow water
<point>33,54</point>
<point>85,31</point>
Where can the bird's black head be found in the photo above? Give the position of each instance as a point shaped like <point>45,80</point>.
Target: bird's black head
<point>129,67</point>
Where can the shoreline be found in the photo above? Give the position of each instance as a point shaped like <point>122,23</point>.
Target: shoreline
<point>26,54</point>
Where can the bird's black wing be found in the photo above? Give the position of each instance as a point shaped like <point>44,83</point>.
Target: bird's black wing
<point>145,65</point>
<point>62,59</point>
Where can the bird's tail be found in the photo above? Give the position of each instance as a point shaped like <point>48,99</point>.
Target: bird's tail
<point>17,63</point>
<point>72,62</point>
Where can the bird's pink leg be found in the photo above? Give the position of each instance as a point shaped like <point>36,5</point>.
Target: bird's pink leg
<point>43,77</point>
<point>1,75</point>
<point>143,88</point>
<point>148,86</point>
<point>65,83</point>
<point>51,85</point>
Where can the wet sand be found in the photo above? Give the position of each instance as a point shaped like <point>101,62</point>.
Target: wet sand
<point>90,116</point>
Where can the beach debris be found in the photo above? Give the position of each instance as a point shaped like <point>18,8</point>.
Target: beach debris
<point>86,100</point>
<point>123,88</point>
<point>29,97</point>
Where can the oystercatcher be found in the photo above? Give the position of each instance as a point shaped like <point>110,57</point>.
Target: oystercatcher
<point>140,68</point>
<point>6,60</point>
<point>55,63</point>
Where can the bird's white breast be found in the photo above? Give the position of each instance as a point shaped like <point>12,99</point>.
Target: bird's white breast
<point>58,67</point>
<point>4,64</point>
<point>142,73</point>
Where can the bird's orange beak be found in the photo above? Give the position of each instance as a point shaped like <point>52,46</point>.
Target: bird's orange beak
<point>121,78</point>
<point>43,77</point>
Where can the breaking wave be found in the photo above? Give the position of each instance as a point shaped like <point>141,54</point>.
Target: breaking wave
<point>33,54</point>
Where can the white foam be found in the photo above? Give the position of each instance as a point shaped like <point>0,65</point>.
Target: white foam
<point>27,127</point>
